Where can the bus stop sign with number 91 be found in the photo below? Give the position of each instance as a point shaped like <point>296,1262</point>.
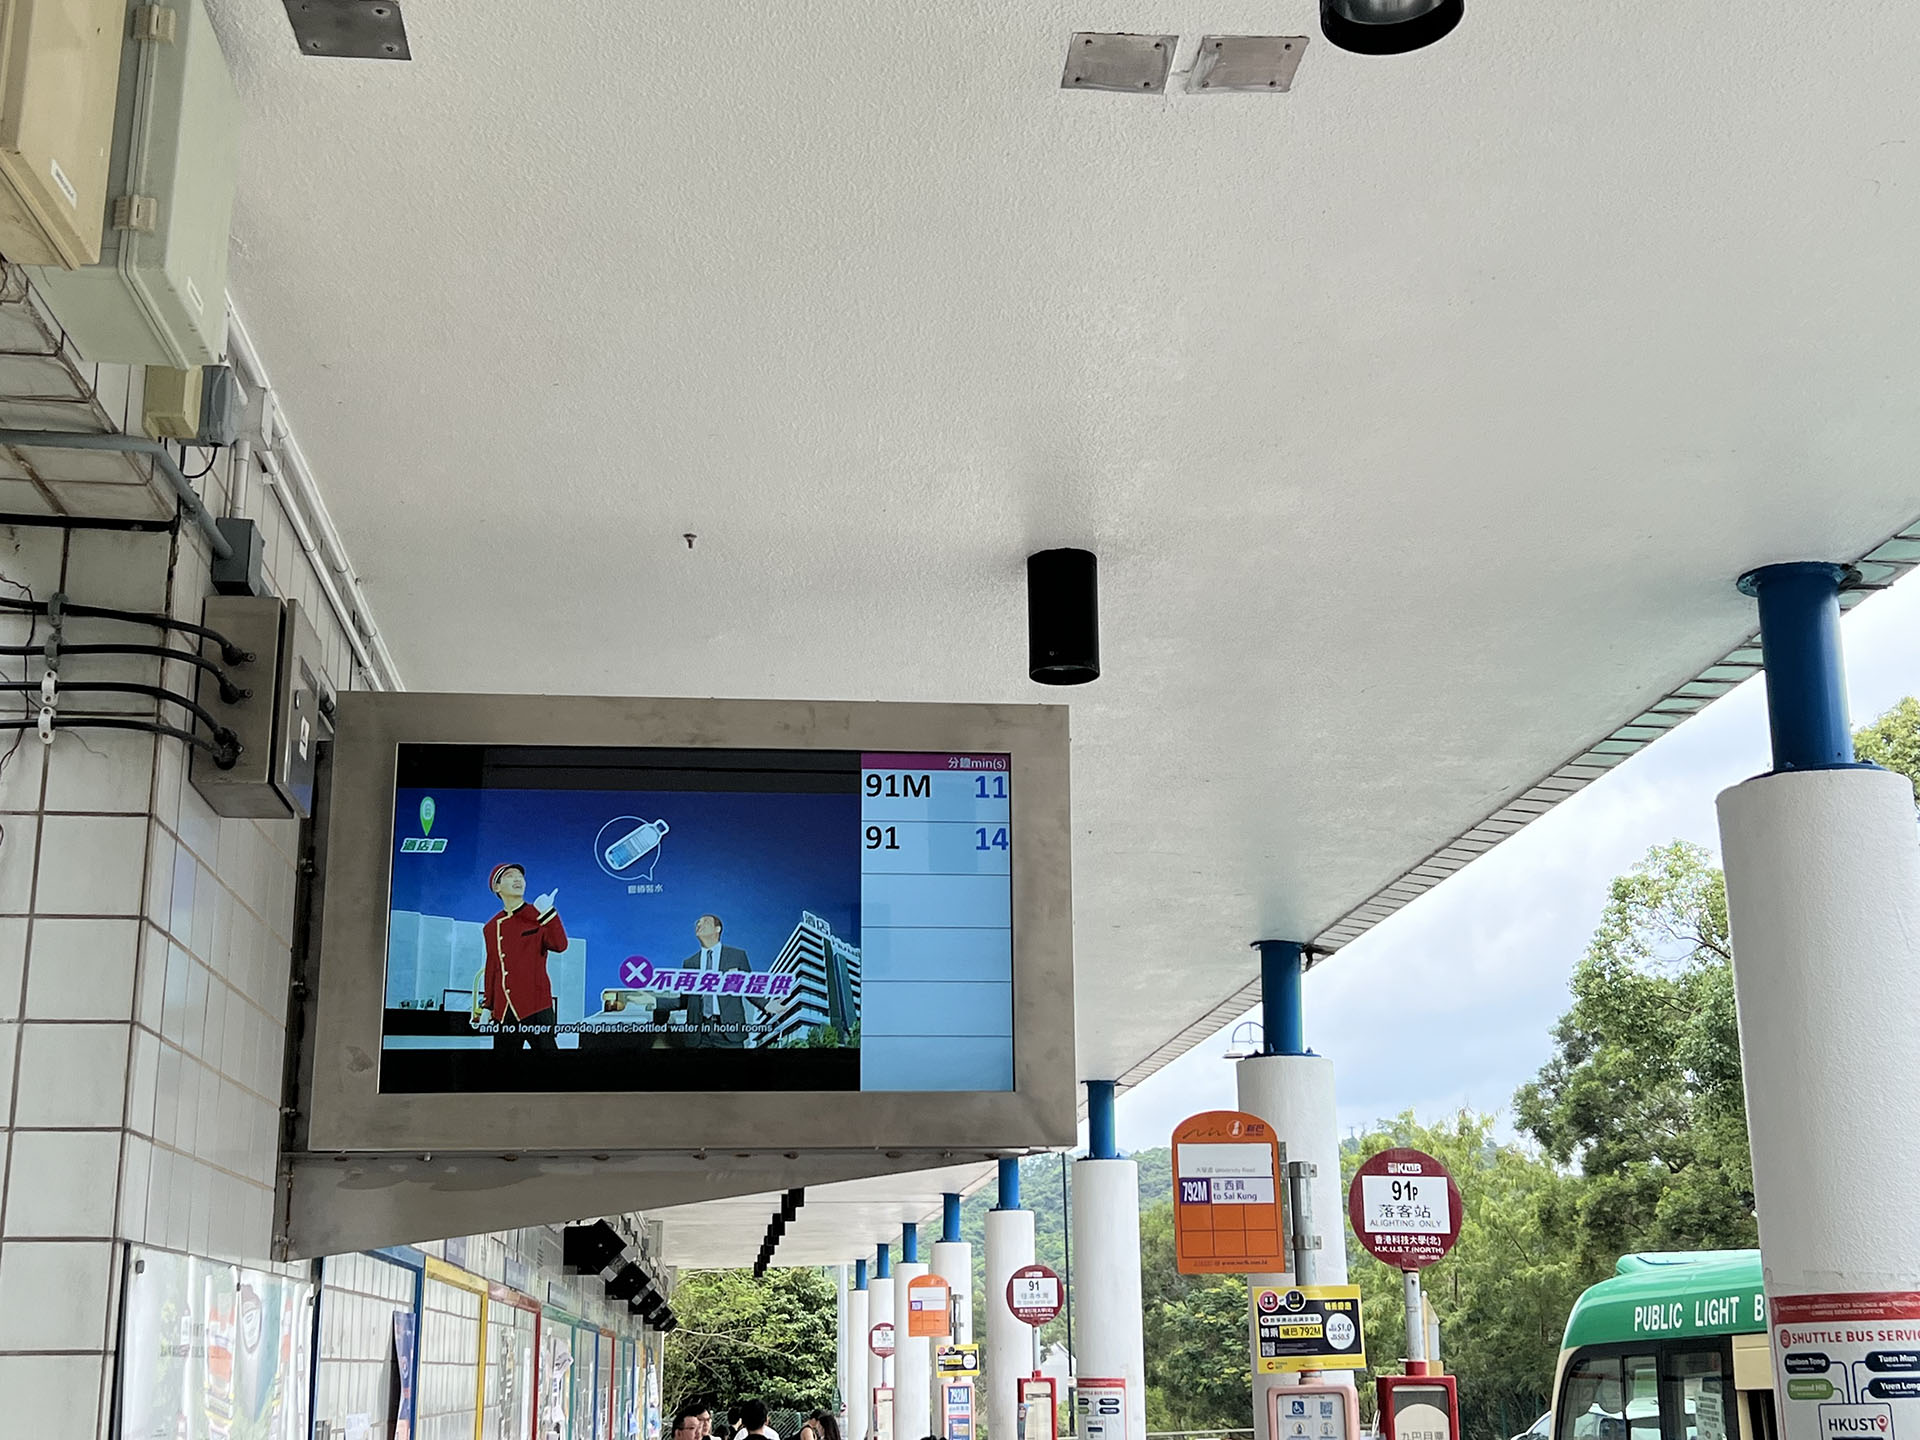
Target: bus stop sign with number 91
<point>1033,1294</point>
<point>1405,1209</point>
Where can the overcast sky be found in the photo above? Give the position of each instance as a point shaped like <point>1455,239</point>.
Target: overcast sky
<point>1490,949</point>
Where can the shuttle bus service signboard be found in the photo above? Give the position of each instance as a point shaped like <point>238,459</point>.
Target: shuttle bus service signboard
<point>1405,1209</point>
<point>1229,1205</point>
<point>1848,1365</point>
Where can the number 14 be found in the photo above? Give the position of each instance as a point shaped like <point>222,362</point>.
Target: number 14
<point>998,840</point>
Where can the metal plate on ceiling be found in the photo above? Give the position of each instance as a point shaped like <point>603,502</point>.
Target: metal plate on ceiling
<point>1137,64</point>
<point>349,29</point>
<point>1246,62</point>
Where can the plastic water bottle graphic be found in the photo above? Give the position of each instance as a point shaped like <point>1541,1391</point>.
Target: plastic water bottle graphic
<point>635,845</point>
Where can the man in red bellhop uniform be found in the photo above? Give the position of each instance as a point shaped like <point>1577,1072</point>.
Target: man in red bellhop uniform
<point>518,940</point>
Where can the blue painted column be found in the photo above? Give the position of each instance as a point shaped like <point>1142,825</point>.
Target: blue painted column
<point>1009,1344</point>
<point>1806,676</point>
<point>953,1262</point>
<point>1291,1088</point>
<point>1106,1314</point>
<point>912,1355</point>
<point>1823,897</point>
<point>1283,965</point>
<point>1009,1184</point>
<point>880,1312</point>
<point>1100,1141</point>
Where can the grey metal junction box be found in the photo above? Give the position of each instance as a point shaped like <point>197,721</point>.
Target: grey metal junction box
<point>281,725</point>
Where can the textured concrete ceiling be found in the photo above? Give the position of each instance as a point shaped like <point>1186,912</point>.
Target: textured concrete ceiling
<point>1421,417</point>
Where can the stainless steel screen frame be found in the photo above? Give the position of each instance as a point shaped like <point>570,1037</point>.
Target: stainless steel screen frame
<point>342,1109</point>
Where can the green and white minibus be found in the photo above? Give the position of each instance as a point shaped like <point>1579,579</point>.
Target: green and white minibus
<point>1671,1347</point>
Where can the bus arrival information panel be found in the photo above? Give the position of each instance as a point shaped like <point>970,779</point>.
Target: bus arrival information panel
<point>936,922</point>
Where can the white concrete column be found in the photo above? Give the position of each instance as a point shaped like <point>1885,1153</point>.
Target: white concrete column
<point>1823,891</point>
<point>912,1362</point>
<point>953,1260</point>
<point>1009,1350</point>
<point>842,1336</point>
<point>879,1312</point>
<point>1106,1280</point>
<point>858,1399</point>
<point>1294,1094</point>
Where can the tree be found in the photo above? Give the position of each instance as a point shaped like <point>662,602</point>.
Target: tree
<point>741,1338</point>
<point>1893,740</point>
<point>1644,1090</point>
<point>1195,1329</point>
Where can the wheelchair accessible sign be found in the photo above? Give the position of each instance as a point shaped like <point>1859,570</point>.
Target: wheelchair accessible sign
<point>1309,1327</point>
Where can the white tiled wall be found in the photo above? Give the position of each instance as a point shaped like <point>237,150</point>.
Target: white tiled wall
<point>144,960</point>
<point>144,954</point>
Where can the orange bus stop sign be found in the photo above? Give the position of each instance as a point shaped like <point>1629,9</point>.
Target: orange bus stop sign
<point>928,1298</point>
<point>1229,1198</point>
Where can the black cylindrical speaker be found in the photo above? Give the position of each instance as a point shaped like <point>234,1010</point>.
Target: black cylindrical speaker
<point>1063,617</point>
<point>1388,27</point>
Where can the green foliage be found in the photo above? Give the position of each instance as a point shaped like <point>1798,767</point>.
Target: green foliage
<point>1893,740</point>
<point>1644,1090</point>
<point>770,1339</point>
<point>1503,1292</point>
<point>1042,1178</point>
<point>823,1037</point>
<point>1195,1328</point>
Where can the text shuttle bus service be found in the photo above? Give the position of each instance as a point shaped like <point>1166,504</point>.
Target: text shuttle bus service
<point>1671,1347</point>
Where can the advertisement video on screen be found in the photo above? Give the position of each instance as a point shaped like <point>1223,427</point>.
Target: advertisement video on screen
<point>573,919</point>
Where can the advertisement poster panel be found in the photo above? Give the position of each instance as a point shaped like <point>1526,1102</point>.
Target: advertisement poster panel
<point>400,1406</point>
<point>564,919</point>
<point>1308,1327</point>
<point>212,1352</point>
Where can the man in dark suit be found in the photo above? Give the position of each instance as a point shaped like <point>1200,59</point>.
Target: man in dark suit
<point>726,1014</point>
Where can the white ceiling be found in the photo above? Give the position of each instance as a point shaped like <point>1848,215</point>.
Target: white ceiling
<point>1421,418</point>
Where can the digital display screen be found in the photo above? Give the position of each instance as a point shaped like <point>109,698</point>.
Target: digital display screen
<point>580,919</point>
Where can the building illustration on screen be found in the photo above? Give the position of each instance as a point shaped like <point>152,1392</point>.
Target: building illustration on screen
<point>826,985</point>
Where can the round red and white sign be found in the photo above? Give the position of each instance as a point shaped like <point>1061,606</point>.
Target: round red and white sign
<point>1034,1294</point>
<point>1405,1209</point>
<point>880,1339</point>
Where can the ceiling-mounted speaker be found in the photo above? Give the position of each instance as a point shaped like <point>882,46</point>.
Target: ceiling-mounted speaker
<point>1388,27</point>
<point>589,1249</point>
<point>1063,617</point>
<point>627,1282</point>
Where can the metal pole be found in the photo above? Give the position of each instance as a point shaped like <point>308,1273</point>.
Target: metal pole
<point>1300,1177</point>
<point>1066,1280</point>
<point>1416,1324</point>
